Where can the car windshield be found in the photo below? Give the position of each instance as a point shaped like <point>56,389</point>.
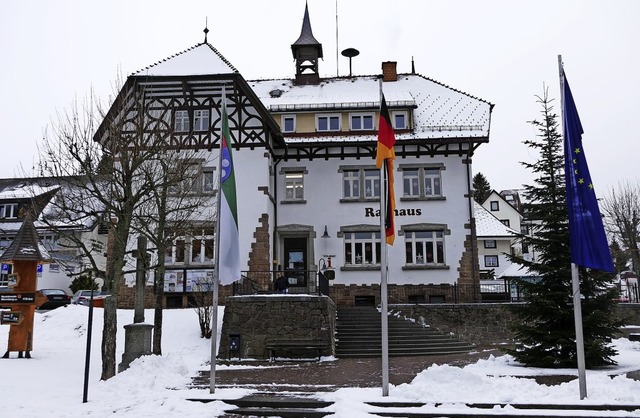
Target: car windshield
<point>52,292</point>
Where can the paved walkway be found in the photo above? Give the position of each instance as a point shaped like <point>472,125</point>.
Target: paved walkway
<point>330,375</point>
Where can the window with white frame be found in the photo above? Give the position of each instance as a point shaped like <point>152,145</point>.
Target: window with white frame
<point>201,120</point>
<point>362,248</point>
<point>208,180</point>
<point>422,181</point>
<point>181,121</point>
<point>9,210</point>
<point>432,182</point>
<point>361,121</point>
<point>195,247</point>
<point>360,183</point>
<point>424,247</point>
<point>490,243</point>
<point>202,245</point>
<point>288,123</point>
<point>294,185</point>
<point>50,241</point>
<point>491,261</point>
<point>411,182</point>
<point>400,120</point>
<point>327,123</point>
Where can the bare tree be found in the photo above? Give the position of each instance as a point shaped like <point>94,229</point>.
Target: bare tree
<point>177,201</point>
<point>621,209</point>
<point>105,157</point>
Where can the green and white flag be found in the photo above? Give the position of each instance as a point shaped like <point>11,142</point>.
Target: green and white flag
<point>229,242</point>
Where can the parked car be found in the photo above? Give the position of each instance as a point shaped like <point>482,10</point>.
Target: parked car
<point>82,297</point>
<point>55,298</point>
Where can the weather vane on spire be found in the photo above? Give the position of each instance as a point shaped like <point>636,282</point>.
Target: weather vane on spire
<point>206,29</point>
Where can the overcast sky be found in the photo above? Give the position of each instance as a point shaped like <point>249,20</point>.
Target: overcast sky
<point>503,51</point>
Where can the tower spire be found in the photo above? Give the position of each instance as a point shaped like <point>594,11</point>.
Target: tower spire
<point>306,51</point>
<point>206,29</point>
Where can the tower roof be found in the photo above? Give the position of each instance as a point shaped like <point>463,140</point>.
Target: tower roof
<point>306,34</point>
<point>26,245</point>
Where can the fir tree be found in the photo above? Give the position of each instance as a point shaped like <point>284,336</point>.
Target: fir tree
<point>545,334</point>
<point>481,188</point>
<point>620,257</point>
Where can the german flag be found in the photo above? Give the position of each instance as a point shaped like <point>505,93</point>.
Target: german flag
<point>385,154</point>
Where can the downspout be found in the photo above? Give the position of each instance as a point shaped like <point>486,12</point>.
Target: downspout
<point>474,238</point>
<point>274,238</point>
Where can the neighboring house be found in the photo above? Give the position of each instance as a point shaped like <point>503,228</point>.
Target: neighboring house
<point>35,195</point>
<point>307,187</point>
<point>495,240</point>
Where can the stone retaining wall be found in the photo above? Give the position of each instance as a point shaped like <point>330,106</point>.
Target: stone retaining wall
<point>260,317</point>
<point>483,324</point>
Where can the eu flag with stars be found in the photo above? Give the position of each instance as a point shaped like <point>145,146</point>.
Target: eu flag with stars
<point>588,241</point>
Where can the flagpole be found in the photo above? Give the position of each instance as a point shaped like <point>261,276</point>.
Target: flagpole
<point>384,274</point>
<point>216,271</point>
<point>575,278</point>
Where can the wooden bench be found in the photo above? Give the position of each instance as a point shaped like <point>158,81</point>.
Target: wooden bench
<point>284,345</point>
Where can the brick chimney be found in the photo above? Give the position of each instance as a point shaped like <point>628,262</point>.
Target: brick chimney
<point>389,72</point>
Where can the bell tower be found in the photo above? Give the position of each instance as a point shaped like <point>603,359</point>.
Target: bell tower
<point>306,51</point>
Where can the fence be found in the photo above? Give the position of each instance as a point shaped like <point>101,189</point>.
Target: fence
<point>299,282</point>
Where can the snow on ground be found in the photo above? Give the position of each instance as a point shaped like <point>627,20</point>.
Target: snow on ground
<point>51,382</point>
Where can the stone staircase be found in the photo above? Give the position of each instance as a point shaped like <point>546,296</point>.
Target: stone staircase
<point>358,334</point>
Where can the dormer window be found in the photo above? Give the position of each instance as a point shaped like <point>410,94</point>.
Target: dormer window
<point>400,120</point>
<point>9,210</point>
<point>327,123</point>
<point>361,121</point>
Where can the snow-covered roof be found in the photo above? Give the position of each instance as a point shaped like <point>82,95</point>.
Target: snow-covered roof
<point>488,225</point>
<point>516,270</point>
<point>25,191</point>
<point>439,111</point>
<point>201,59</point>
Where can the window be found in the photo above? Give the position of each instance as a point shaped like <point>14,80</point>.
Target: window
<point>490,243</point>
<point>5,242</point>
<point>288,123</point>
<point>432,182</point>
<point>361,121</point>
<point>400,120</point>
<point>325,123</point>
<point>9,210</point>
<point>491,261</point>
<point>422,182</point>
<point>424,247</point>
<point>495,205</point>
<point>294,186</point>
<point>361,183</point>
<point>524,229</point>
<point>190,177</point>
<point>362,248</point>
<point>351,183</point>
<point>49,241</point>
<point>207,180</point>
<point>193,248</point>
<point>505,222</point>
<point>202,245</point>
<point>201,120</point>
<point>181,123</point>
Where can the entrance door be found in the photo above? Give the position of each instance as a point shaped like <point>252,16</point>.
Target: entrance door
<point>295,261</point>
